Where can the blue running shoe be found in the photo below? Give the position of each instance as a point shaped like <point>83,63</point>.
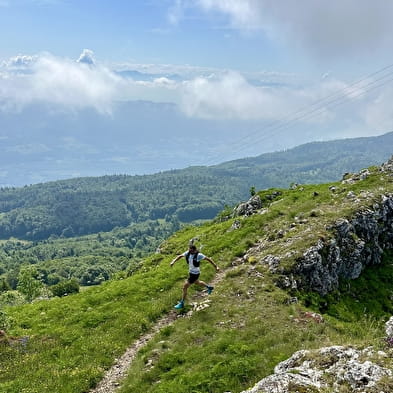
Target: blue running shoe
<point>180,305</point>
<point>210,289</point>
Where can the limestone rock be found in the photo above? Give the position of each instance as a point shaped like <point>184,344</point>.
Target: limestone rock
<point>389,328</point>
<point>387,166</point>
<point>327,368</point>
<point>248,208</point>
<point>358,242</point>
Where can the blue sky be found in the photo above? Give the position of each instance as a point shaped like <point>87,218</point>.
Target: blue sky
<point>247,35</point>
<point>152,31</point>
<point>279,71</point>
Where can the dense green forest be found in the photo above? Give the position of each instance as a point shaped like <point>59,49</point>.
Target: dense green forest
<point>82,206</point>
<point>88,259</point>
<point>90,229</point>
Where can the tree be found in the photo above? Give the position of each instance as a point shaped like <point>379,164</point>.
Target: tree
<point>28,282</point>
<point>4,286</point>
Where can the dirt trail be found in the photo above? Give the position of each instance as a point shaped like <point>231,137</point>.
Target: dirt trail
<point>113,377</point>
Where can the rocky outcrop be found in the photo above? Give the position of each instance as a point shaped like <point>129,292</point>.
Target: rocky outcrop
<point>357,243</point>
<point>248,208</point>
<point>331,369</point>
<point>254,204</point>
<point>328,368</point>
<point>389,333</point>
<point>388,166</point>
<point>350,178</point>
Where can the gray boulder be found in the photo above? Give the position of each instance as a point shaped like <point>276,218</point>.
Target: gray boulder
<point>248,208</point>
<point>328,368</point>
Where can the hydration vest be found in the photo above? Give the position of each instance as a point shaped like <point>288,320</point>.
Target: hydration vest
<point>195,261</point>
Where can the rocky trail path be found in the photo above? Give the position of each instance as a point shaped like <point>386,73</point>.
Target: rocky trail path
<point>113,377</point>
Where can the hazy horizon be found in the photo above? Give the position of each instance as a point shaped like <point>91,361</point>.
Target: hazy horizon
<point>93,88</point>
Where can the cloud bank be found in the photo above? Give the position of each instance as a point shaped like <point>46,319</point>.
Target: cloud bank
<point>222,95</point>
<point>230,96</point>
<point>323,28</point>
<point>46,78</point>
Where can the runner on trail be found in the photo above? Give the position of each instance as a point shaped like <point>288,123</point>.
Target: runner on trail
<point>193,259</point>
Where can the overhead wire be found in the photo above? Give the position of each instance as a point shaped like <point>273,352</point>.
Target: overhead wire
<point>321,106</point>
<point>343,96</point>
<point>333,103</point>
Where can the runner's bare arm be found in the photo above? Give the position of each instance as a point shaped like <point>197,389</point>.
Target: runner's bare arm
<point>176,259</point>
<point>213,263</point>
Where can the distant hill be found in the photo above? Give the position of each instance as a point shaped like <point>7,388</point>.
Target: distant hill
<point>316,162</point>
<point>89,205</point>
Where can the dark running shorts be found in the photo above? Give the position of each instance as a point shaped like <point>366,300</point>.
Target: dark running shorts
<point>192,278</point>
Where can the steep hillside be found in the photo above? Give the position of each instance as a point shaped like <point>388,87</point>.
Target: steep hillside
<point>84,206</point>
<point>284,286</point>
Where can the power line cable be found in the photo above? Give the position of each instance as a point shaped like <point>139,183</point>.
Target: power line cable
<point>320,105</point>
<point>338,99</point>
<point>333,103</point>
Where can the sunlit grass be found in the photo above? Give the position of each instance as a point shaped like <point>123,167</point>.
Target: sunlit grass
<point>249,327</point>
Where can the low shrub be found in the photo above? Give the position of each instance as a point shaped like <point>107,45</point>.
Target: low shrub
<point>65,288</point>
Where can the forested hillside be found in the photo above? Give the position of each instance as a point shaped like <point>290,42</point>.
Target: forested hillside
<point>311,163</point>
<point>84,206</point>
<point>89,259</point>
<point>309,267</point>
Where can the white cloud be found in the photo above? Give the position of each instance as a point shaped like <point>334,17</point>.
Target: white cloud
<point>77,84</point>
<point>379,113</point>
<point>19,62</point>
<point>87,57</point>
<point>324,28</point>
<point>245,14</point>
<point>29,148</point>
<point>230,96</point>
<point>175,13</point>
<point>58,81</point>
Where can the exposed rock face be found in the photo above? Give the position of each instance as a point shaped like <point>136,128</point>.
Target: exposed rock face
<point>388,166</point>
<point>353,178</point>
<point>358,242</point>
<point>253,205</point>
<point>329,368</point>
<point>248,208</point>
<point>389,328</point>
<point>389,333</point>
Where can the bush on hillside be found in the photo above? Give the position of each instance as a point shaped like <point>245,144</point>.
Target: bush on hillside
<point>11,298</point>
<point>65,288</point>
<point>5,321</point>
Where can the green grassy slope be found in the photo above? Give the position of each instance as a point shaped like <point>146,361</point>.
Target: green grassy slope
<point>65,345</point>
